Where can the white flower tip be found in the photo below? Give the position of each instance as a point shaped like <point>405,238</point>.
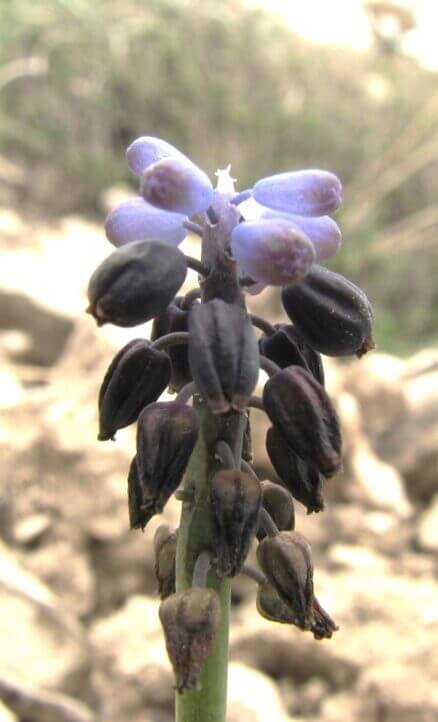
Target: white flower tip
<point>225,183</point>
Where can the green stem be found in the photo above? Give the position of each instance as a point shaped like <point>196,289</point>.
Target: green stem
<point>209,703</point>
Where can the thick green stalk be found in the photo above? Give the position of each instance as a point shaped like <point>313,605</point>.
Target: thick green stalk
<point>209,703</point>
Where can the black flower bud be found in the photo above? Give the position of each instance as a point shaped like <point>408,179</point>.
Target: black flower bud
<point>136,376</point>
<point>138,517</point>
<point>271,607</point>
<point>166,436</point>
<point>279,504</point>
<point>165,540</point>
<point>286,347</point>
<point>235,503</point>
<point>135,283</point>
<point>301,410</point>
<point>287,562</point>
<point>223,355</point>
<point>190,622</point>
<point>303,480</point>
<point>174,319</point>
<point>334,316</point>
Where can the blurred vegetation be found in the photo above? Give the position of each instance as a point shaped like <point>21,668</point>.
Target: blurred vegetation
<point>80,80</point>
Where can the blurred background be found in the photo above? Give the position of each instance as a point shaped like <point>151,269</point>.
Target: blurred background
<point>350,86</point>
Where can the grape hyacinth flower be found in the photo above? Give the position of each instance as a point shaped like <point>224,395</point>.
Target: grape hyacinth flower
<point>284,230</point>
<point>197,447</point>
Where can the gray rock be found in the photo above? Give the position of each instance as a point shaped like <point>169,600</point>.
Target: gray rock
<point>6,715</point>
<point>398,402</point>
<point>284,651</point>
<point>132,671</point>
<point>253,697</point>
<point>341,706</point>
<point>399,693</point>
<point>47,330</point>
<point>40,642</point>
<point>427,535</point>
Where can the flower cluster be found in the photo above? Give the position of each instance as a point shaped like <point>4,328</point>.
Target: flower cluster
<point>273,234</point>
<point>286,227</point>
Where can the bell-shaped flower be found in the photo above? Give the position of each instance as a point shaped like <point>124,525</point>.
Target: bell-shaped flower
<point>302,479</point>
<point>135,283</point>
<point>286,559</point>
<point>286,347</point>
<point>302,412</point>
<point>235,500</point>
<point>177,185</point>
<point>271,606</point>
<point>304,192</point>
<point>322,231</point>
<point>166,436</point>
<point>333,315</point>
<point>146,150</point>
<point>136,377</point>
<point>136,220</point>
<point>165,540</point>
<point>190,621</point>
<point>223,355</point>
<point>279,504</point>
<point>173,319</point>
<point>272,251</point>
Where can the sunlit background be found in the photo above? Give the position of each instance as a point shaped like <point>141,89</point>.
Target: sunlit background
<point>346,85</point>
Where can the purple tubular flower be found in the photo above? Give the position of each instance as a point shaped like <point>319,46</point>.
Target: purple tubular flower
<point>136,220</point>
<point>323,232</point>
<point>178,185</point>
<point>147,150</point>
<point>272,251</point>
<point>305,192</point>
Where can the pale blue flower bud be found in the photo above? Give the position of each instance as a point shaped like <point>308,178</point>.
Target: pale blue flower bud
<point>321,230</point>
<point>136,220</point>
<point>272,251</point>
<point>305,192</point>
<point>147,150</point>
<point>324,233</point>
<point>176,184</point>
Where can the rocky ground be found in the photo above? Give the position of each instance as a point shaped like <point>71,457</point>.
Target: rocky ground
<point>81,640</point>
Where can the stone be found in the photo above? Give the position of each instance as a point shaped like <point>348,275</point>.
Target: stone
<point>30,530</point>
<point>284,651</point>
<point>398,402</point>
<point>67,571</point>
<point>47,330</point>
<point>357,558</point>
<point>427,529</point>
<point>253,697</point>
<point>341,706</point>
<point>366,479</point>
<point>132,670</point>
<point>304,700</point>
<point>6,715</point>
<point>398,693</point>
<point>34,703</point>
<point>49,646</point>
